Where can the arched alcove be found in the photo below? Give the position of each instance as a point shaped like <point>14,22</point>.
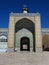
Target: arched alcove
<point>27,24</point>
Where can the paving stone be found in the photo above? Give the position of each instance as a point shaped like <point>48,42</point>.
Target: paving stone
<point>24,58</point>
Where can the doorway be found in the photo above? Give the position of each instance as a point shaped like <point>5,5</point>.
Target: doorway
<point>24,44</point>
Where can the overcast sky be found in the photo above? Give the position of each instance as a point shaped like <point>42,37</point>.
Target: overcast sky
<point>8,6</point>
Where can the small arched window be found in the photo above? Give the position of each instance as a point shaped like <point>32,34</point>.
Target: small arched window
<point>3,38</point>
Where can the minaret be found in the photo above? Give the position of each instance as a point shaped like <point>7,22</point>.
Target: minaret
<point>25,10</point>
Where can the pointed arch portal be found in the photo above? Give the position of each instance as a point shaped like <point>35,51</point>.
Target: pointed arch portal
<point>27,24</point>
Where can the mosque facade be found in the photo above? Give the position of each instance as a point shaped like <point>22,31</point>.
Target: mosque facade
<point>24,33</point>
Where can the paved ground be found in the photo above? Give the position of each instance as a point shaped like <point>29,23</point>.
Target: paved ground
<point>24,58</point>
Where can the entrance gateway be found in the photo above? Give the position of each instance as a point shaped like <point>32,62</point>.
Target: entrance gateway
<point>25,31</point>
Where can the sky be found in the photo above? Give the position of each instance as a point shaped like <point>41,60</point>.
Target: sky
<point>8,6</point>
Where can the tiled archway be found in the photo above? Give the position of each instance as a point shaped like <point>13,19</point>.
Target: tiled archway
<point>28,24</point>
